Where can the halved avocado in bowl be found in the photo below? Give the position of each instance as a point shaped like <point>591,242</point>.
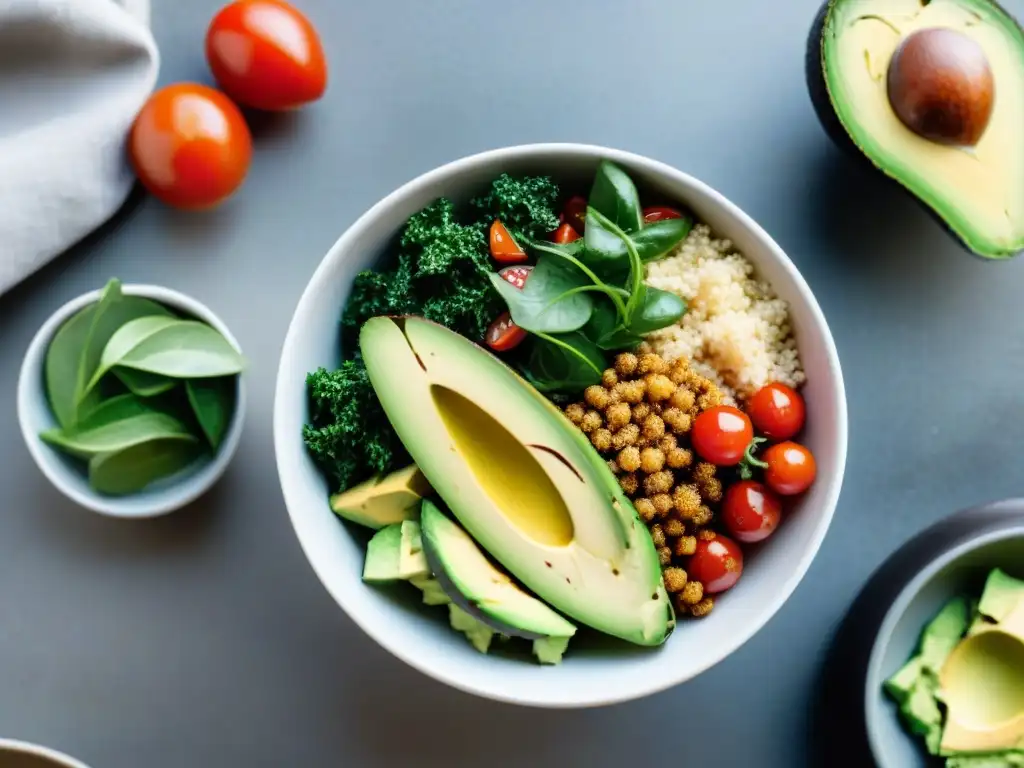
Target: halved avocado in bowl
<point>931,94</point>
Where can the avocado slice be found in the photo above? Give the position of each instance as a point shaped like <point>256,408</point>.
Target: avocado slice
<point>395,553</point>
<point>481,589</point>
<point>863,58</point>
<point>982,679</point>
<point>519,479</point>
<point>381,501</point>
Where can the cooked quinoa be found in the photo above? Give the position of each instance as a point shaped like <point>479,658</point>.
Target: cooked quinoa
<point>736,332</point>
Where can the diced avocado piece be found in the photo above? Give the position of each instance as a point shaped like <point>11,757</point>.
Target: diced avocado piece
<point>1013,759</point>
<point>930,94</point>
<point>383,553</point>
<point>549,650</point>
<point>1001,596</point>
<point>517,477</point>
<point>478,633</point>
<point>902,683</point>
<point>943,634</point>
<point>382,501</point>
<point>412,561</point>
<point>478,587</point>
<point>433,593</point>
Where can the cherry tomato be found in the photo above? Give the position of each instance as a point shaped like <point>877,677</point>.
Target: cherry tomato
<point>504,334</point>
<point>575,213</point>
<point>266,54</point>
<point>503,248</point>
<point>717,563</point>
<point>791,468</point>
<point>516,275</point>
<point>660,213</point>
<point>190,146</point>
<point>777,411</point>
<point>751,511</point>
<point>566,234</point>
<point>721,435</point>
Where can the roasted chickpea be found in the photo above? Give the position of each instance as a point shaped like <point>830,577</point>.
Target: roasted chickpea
<point>645,509</point>
<point>640,412</point>
<point>675,579</point>
<point>651,363</point>
<point>683,399</point>
<point>686,500</point>
<point>703,472</point>
<point>659,387</point>
<point>711,490</point>
<point>674,527</point>
<point>685,546</point>
<point>679,458</point>
<point>602,439</point>
<point>664,556</point>
<point>659,482</point>
<point>668,443</point>
<point>654,428</point>
<point>651,459</point>
<point>596,397</point>
<point>630,483</point>
<point>662,503</point>
<point>617,415</point>
<point>710,399</point>
<point>627,436</point>
<point>633,392</point>
<point>591,421</point>
<point>703,608</point>
<point>609,378</point>
<point>625,364</point>
<point>657,535</point>
<point>629,459</point>
<point>575,413</point>
<point>693,592</point>
<point>703,516</point>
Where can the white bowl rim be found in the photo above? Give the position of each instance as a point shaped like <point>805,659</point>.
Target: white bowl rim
<point>37,750</point>
<point>899,607</point>
<point>171,498</point>
<point>452,169</point>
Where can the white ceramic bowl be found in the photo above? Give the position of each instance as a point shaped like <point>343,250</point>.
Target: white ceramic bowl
<point>43,756</point>
<point>35,416</point>
<point>589,675</point>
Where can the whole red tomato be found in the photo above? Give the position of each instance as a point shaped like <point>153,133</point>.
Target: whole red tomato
<point>266,54</point>
<point>190,146</point>
<point>751,511</point>
<point>717,563</point>
<point>791,468</point>
<point>721,435</point>
<point>777,411</point>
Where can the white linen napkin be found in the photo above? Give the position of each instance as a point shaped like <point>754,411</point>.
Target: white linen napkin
<point>73,75</point>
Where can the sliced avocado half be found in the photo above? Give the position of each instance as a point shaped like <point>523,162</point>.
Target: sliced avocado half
<point>518,478</point>
<point>478,587</point>
<point>880,74</point>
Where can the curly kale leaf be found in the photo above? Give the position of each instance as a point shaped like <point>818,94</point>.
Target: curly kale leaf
<point>349,436</point>
<point>527,206</point>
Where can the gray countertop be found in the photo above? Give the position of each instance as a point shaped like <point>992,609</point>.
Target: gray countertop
<point>204,638</point>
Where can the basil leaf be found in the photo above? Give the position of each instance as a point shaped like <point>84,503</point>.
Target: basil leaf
<point>117,435</point>
<point>614,194</point>
<point>114,310</point>
<point>573,249</point>
<point>545,304</point>
<point>180,349</point>
<point>144,384</point>
<point>60,368</point>
<point>132,469</point>
<point>568,361</point>
<point>658,238</point>
<point>605,329</point>
<point>213,402</point>
<point>659,310</point>
<point>114,409</point>
<point>604,251</point>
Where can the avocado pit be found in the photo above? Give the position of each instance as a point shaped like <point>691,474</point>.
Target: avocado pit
<point>941,87</point>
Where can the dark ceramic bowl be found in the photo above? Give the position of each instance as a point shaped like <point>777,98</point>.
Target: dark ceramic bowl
<point>857,724</point>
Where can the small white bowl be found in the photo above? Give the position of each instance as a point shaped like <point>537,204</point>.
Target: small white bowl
<point>35,416</point>
<point>589,675</point>
<point>44,756</point>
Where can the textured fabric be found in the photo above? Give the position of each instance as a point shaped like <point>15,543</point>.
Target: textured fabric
<point>73,75</point>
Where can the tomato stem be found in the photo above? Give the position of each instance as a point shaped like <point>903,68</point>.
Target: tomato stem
<point>749,461</point>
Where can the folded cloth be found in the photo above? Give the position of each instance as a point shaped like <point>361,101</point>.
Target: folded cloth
<point>73,75</point>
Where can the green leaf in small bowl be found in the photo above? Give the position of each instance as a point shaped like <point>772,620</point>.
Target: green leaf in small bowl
<point>132,469</point>
<point>181,349</point>
<point>117,435</point>
<point>113,409</point>
<point>60,370</point>
<point>213,402</point>
<point>144,384</point>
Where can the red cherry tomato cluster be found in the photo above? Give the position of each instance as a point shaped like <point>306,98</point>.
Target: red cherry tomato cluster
<point>190,145</point>
<point>751,509</point>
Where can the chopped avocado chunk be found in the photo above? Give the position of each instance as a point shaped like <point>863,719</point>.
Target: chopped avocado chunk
<point>382,501</point>
<point>518,478</point>
<point>932,94</point>
<point>549,650</point>
<point>481,589</point>
<point>433,593</point>
<point>383,554</point>
<point>412,562</point>
<point>478,633</point>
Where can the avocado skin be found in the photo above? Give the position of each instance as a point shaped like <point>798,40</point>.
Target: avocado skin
<point>437,567</point>
<point>814,70</point>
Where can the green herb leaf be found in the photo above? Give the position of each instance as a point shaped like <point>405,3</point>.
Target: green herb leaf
<point>132,469</point>
<point>114,409</point>
<point>144,384</point>
<point>60,368</point>
<point>117,435</point>
<point>564,362</point>
<point>604,251</point>
<point>655,240</point>
<point>213,402</point>
<point>181,349</point>
<point>636,267</point>
<point>548,302</point>
<point>660,309</point>
<point>606,330</point>
<point>614,194</point>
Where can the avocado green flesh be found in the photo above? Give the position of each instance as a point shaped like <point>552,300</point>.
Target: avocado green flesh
<point>978,192</point>
<point>517,478</point>
<point>971,661</point>
<point>481,589</point>
<point>382,501</point>
<point>395,553</point>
